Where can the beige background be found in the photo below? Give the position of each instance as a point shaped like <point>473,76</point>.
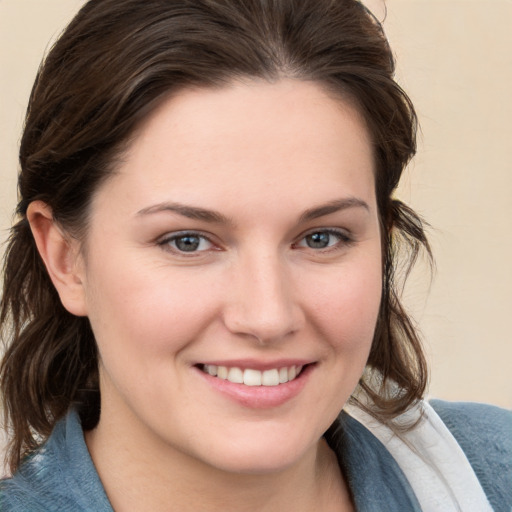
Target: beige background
<point>455,60</point>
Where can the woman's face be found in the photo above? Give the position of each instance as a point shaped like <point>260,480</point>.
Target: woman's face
<point>237,245</point>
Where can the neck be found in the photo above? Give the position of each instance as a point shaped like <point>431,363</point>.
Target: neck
<point>165,476</point>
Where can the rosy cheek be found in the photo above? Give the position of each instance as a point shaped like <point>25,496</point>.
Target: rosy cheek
<point>349,311</point>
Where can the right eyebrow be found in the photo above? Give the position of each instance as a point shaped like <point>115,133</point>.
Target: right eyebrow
<point>191,212</point>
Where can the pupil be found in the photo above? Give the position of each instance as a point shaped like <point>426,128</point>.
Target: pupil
<point>318,240</point>
<point>187,243</point>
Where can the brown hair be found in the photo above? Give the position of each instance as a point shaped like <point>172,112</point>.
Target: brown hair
<point>109,69</point>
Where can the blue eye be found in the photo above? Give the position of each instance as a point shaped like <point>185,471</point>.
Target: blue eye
<point>187,242</point>
<point>323,239</point>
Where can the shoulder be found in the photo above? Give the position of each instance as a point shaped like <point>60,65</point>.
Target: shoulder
<point>484,433</point>
<point>458,414</point>
<point>34,486</point>
<point>479,426</point>
<point>60,475</point>
<point>27,489</point>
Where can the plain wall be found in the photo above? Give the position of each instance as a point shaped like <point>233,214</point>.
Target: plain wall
<point>455,61</point>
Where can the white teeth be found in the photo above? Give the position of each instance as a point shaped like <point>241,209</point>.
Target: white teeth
<point>251,377</point>
<point>222,372</point>
<point>236,375</point>
<point>270,378</point>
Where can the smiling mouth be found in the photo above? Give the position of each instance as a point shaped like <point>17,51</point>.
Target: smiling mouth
<point>251,377</point>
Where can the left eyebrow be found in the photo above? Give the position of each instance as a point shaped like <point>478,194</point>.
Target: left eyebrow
<point>333,207</point>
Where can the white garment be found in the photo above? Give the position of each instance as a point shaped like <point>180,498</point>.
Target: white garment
<point>435,465</point>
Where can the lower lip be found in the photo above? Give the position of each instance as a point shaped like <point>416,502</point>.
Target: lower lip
<point>259,397</point>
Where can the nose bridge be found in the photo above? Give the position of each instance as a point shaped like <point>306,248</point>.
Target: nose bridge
<point>263,303</point>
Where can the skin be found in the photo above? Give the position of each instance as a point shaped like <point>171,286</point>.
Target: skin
<point>264,157</point>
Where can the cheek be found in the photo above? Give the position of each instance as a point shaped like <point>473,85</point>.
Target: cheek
<point>145,309</point>
<point>347,306</point>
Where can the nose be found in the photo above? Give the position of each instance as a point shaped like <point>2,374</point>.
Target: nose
<point>263,302</point>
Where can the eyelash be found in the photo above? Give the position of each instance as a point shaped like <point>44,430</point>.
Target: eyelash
<point>344,240</point>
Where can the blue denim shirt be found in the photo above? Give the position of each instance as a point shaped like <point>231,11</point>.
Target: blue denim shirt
<point>61,476</point>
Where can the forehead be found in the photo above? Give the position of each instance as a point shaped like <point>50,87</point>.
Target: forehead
<point>256,139</point>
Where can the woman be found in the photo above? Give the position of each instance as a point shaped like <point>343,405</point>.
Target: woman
<point>202,276</point>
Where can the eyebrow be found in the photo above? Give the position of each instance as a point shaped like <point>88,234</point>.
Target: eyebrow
<point>333,207</point>
<point>215,217</point>
<point>191,212</point>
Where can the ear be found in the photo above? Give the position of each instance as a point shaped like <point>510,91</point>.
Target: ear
<point>61,257</point>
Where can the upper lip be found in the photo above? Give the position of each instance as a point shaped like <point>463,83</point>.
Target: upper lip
<point>254,364</point>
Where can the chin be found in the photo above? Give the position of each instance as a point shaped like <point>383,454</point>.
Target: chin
<point>265,457</point>
<point>256,464</point>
